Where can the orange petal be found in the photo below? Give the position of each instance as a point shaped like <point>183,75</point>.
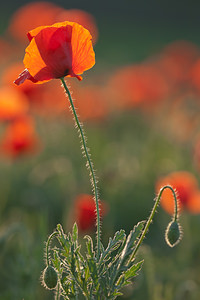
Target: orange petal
<point>83,55</point>
<point>34,62</point>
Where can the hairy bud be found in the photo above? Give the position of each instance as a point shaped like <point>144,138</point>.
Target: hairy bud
<point>173,233</point>
<point>49,277</point>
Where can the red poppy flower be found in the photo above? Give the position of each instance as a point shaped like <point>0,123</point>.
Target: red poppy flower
<point>186,186</point>
<point>85,211</point>
<point>19,138</point>
<point>63,49</point>
<point>12,104</point>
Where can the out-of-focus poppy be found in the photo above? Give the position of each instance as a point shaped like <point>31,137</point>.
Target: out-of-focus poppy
<point>186,186</point>
<point>5,50</point>
<point>38,13</point>
<point>176,61</point>
<point>138,85</point>
<point>12,104</point>
<point>19,138</point>
<point>81,17</point>
<point>52,102</point>
<point>196,152</point>
<point>90,103</point>
<point>181,112</point>
<point>193,206</point>
<point>30,16</point>
<point>63,49</point>
<point>85,213</point>
<point>195,75</point>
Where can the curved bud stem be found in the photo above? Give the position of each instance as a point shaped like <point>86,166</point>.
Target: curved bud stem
<point>89,164</point>
<point>47,246</point>
<point>152,215</point>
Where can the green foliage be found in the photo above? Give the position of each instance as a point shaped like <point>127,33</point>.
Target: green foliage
<point>90,277</point>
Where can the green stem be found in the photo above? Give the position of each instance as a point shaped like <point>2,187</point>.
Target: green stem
<point>47,246</point>
<point>58,292</point>
<point>89,164</point>
<point>152,215</point>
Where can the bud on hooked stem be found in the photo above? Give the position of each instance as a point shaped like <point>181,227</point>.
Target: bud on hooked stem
<point>173,232</point>
<point>49,278</point>
<point>49,275</point>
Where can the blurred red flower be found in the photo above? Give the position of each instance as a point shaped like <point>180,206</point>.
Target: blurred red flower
<point>196,152</point>
<point>19,138</point>
<point>193,205</point>
<point>195,76</point>
<point>85,211</point>
<point>176,61</point>
<point>12,104</point>
<point>137,85</point>
<point>63,49</point>
<point>90,103</point>
<point>38,13</point>
<point>52,102</point>
<point>5,50</point>
<point>87,99</point>
<point>30,16</point>
<point>186,186</point>
<point>81,17</point>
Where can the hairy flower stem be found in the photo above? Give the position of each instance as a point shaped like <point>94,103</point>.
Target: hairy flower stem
<point>89,163</point>
<point>152,215</point>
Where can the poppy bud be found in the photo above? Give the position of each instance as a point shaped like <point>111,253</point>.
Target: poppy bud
<point>173,233</point>
<point>50,277</point>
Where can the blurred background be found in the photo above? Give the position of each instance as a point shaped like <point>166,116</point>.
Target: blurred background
<point>140,105</point>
